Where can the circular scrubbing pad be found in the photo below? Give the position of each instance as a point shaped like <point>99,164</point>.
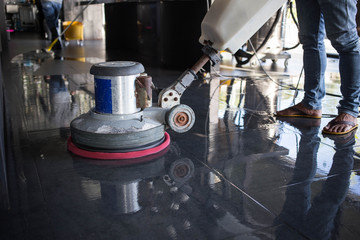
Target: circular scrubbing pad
<point>118,155</point>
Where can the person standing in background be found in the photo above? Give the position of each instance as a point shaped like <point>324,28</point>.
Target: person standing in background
<point>51,10</point>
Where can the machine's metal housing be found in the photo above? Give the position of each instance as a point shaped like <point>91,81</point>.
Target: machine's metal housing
<point>116,124</point>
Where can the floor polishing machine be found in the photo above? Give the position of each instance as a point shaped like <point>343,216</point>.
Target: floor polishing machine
<point>124,124</point>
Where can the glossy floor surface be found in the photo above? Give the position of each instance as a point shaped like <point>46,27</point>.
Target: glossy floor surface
<point>239,173</point>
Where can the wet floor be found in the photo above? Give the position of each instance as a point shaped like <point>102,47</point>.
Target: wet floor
<point>239,173</point>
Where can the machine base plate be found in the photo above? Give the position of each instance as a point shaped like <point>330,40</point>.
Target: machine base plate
<point>118,155</point>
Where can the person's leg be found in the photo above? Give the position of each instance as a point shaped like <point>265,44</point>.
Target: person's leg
<point>341,30</point>
<point>298,192</point>
<point>49,14</point>
<point>321,217</point>
<point>311,35</point>
<point>57,9</point>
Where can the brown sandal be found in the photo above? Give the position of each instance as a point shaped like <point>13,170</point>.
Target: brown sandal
<point>332,123</point>
<point>299,110</point>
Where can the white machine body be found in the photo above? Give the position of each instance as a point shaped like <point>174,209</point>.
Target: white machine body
<point>230,23</point>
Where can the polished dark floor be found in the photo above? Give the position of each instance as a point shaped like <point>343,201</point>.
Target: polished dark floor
<point>240,173</point>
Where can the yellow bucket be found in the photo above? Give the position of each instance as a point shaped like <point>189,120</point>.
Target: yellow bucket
<point>74,32</point>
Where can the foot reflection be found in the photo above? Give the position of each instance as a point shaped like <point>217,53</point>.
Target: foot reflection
<point>316,217</point>
<point>63,104</point>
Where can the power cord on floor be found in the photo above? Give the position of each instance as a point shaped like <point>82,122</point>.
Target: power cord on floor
<point>297,86</point>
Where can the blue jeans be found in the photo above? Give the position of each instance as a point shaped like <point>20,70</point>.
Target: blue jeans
<point>336,20</point>
<point>51,12</point>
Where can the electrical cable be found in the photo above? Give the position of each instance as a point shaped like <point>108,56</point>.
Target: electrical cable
<point>286,87</point>
<point>296,89</point>
<point>262,67</point>
<point>206,142</point>
<point>297,85</point>
<point>208,4</point>
<point>292,13</point>
<point>296,23</point>
<point>266,39</point>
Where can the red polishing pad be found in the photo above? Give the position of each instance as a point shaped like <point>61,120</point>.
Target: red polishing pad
<point>118,156</point>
